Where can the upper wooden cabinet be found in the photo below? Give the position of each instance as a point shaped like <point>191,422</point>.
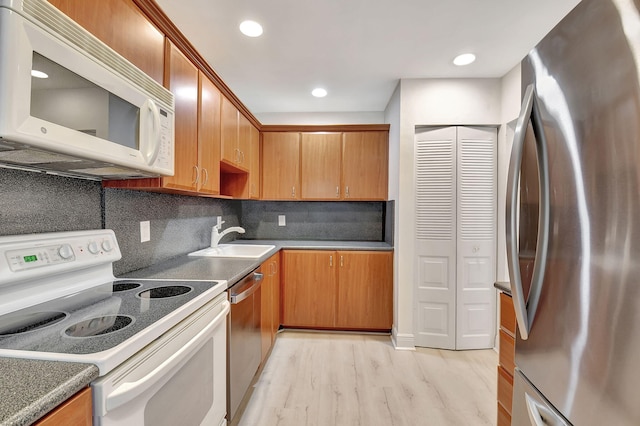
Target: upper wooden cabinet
<point>254,169</point>
<point>182,80</point>
<point>365,165</point>
<point>236,135</point>
<point>197,132</point>
<point>209,137</point>
<point>123,27</point>
<point>325,166</point>
<point>320,161</point>
<point>280,166</point>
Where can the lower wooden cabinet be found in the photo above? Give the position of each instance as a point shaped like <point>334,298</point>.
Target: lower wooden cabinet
<point>349,290</point>
<point>76,411</point>
<point>270,303</point>
<point>506,359</point>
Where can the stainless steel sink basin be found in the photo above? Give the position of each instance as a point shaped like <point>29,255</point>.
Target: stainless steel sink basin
<point>243,251</point>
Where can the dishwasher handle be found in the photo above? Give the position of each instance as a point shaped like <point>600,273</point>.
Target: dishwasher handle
<point>242,291</point>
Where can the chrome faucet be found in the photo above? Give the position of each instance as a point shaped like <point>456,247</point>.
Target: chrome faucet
<point>216,236</point>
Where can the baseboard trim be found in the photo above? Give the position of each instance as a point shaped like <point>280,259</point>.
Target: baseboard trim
<point>402,342</point>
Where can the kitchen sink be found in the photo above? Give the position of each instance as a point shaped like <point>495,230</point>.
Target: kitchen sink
<point>244,251</point>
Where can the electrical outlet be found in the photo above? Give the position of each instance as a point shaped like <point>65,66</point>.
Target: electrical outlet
<point>145,231</point>
<point>282,220</point>
<point>218,221</point>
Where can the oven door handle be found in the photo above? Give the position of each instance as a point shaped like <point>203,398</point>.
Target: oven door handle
<point>130,390</point>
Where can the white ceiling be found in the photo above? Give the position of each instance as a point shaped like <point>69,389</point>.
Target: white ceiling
<point>356,49</point>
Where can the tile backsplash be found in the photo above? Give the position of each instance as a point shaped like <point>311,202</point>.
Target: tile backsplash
<point>36,202</point>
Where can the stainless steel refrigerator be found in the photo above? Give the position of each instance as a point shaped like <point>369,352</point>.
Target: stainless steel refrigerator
<point>573,222</point>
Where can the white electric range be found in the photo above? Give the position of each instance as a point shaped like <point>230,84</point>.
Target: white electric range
<point>153,341</point>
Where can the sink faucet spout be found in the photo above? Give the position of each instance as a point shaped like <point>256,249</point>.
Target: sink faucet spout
<point>216,235</point>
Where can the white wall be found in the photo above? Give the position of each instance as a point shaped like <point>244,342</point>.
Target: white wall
<point>321,117</point>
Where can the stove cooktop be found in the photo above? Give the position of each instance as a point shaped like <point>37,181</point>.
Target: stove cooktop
<point>130,314</point>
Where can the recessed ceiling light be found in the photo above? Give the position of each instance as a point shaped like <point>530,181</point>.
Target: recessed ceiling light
<point>251,29</point>
<point>39,74</point>
<point>464,59</point>
<point>319,92</point>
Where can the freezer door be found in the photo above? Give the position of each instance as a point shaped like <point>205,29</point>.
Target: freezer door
<point>530,407</point>
<point>583,341</point>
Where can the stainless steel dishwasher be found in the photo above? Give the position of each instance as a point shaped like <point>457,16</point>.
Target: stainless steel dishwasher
<point>244,344</point>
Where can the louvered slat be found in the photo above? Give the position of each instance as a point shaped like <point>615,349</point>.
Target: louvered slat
<point>435,191</point>
<point>476,197</point>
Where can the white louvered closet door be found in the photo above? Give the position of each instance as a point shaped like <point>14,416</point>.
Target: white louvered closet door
<point>435,294</point>
<point>476,237</point>
<point>455,237</point>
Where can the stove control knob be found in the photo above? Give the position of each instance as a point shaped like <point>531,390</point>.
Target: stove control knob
<point>107,246</point>
<point>65,251</point>
<point>93,247</point>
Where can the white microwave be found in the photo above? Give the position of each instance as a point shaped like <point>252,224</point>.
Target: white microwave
<point>70,105</point>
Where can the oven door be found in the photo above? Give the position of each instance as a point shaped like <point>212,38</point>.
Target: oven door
<point>178,379</point>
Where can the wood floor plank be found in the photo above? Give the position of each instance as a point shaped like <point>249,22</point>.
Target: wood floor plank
<point>324,379</point>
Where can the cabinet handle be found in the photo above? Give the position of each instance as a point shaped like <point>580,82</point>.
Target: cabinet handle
<point>205,172</point>
<point>341,261</point>
<point>237,155</point>
<point>197,175</point>
<point>337,192</point>
<point>293,192</point>
<point>331,261</point>
<point>347,191</point>
<point>242,157</point>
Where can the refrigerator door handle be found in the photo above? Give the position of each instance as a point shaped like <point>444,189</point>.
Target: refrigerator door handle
<point>525,311</point>
<point>540,415</point>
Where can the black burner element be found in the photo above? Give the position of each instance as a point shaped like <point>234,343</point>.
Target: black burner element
<point>98,326</point>
<point>125,285</point>
<point>163,292</point>
<point>30,322</point>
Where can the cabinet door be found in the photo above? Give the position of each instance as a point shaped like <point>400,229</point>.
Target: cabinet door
<point>254,170</point>
<point>229,139</point>
<point>182,79</point>
<point>134,37</point>
<point>309,291</point>
<point>280,166</point>
<point>276,313</point>
<point>77,411</point>
<point>365,165</point>
<point>209,136</point>
<point>320,160</point>
<point>244,142</point>
<point>365,290</point>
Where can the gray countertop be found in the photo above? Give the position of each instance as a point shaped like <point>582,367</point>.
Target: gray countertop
<point>232,270</point>
<point>503,286</point>
<point>29,389</point>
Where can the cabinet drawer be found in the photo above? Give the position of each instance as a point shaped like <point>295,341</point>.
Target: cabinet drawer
<point>507,314</point>
<point>507,352</point>
<point>504,419</point>
<point>505,389</point>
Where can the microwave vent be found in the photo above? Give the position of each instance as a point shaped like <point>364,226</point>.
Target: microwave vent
<point>60,24</point>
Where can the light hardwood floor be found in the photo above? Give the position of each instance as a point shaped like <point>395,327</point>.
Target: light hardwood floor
<point>327,379</point>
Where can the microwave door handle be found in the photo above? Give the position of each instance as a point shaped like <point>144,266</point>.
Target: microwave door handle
<point>525,313</point>
<point>127,391</point>
<point>152,142</point>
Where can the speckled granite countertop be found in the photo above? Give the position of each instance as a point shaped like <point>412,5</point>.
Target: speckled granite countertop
<point>29,389</point>
<point>232,270</point>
